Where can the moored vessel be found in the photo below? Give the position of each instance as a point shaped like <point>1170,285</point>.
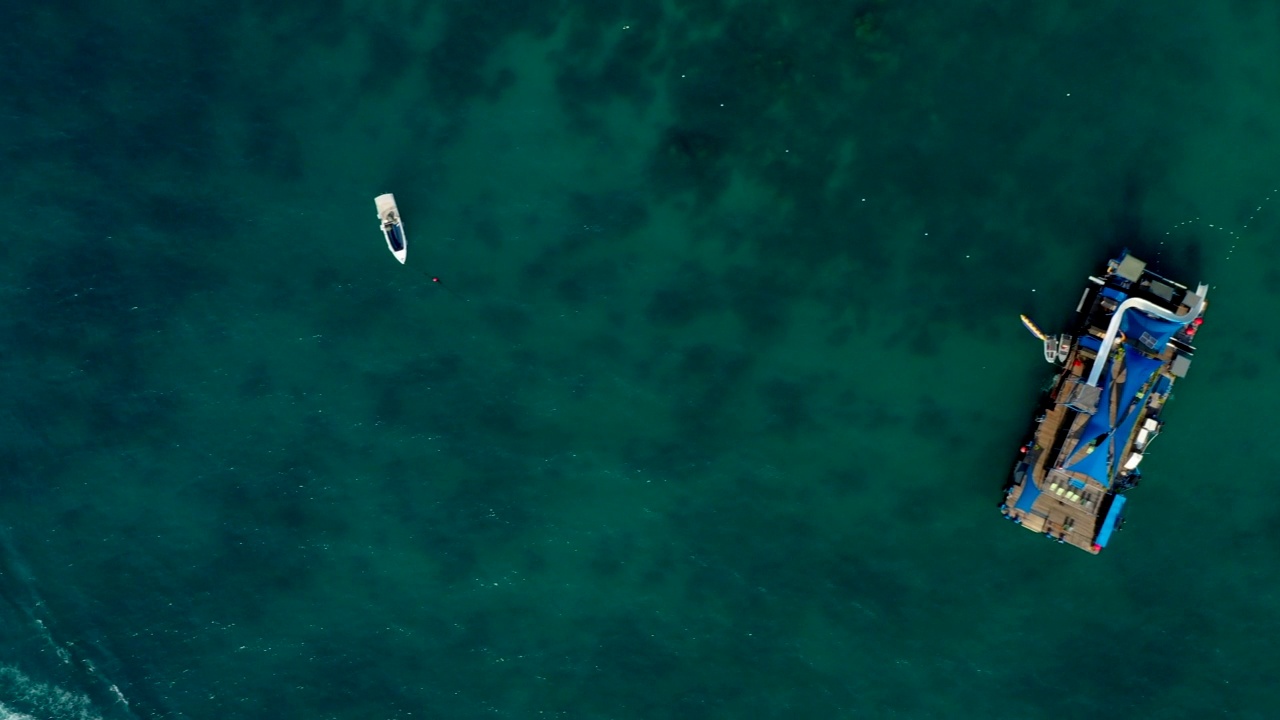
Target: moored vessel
<point>1094,426</point>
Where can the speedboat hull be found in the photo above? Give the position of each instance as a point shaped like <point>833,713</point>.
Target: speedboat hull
<point>392,226</point>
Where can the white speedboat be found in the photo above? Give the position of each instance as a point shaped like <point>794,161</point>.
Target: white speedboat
<point>392,225</point>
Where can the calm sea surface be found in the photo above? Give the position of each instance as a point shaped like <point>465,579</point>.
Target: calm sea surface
<point>709,412</point>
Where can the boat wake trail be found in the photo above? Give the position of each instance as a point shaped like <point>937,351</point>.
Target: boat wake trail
<point>42,678</point>
<point>22,698</point>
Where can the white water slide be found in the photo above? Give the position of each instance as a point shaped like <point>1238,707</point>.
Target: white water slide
<point>1150,308</point>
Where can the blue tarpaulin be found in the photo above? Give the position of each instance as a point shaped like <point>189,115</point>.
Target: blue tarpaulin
<point>1110,523</point>
<point>1113,294</point>
<point>1152,333</point>
<point>1028,497</point>
<point>1162,385</point>
<point>1100,464</point>
<point>1101,421</point>
<point>1096,464</point>
<point>1091,342</point>
<point>1139,367</point>
<point>1126,429</point>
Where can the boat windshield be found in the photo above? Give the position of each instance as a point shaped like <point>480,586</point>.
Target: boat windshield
<point>395,236</point>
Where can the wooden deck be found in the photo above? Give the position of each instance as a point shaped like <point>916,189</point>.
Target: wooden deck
<point>1064,510</point>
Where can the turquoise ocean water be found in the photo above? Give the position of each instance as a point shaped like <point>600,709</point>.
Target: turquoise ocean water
<point>711,411</point>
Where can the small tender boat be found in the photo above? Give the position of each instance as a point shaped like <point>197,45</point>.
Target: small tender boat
<point>392,225</point>
<point>1051,348</point>
<point>1064,347</point>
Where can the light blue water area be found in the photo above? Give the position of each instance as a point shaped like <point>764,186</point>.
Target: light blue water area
<point>709,412</point>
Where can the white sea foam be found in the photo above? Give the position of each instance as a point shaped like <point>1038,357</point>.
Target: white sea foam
<point>16,688</point>
<point>7,714</point>
<point>42,699</point>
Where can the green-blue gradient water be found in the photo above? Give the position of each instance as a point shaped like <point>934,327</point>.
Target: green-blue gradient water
<point>710,411</point>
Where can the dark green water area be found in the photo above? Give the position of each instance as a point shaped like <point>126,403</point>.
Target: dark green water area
<point>709,412</point>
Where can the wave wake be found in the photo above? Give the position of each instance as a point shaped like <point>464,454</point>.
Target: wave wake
<point>30,635</point>
<point>22,698</point>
